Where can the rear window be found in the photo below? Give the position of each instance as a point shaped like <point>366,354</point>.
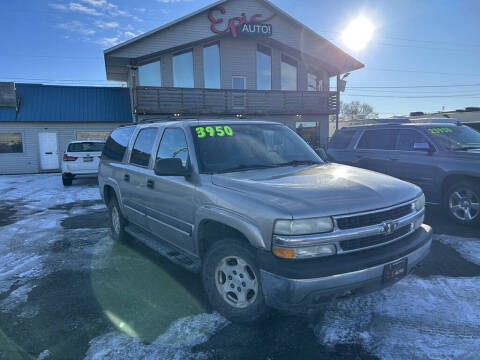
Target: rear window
<point>384,139</point>
<point>342,139</point>
<point>117,143</point>
<point>86,147</point>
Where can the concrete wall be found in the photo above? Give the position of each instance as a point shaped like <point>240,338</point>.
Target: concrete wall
<point>29,160</point>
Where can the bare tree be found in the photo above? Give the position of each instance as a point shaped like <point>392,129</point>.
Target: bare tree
<point>351,110</point>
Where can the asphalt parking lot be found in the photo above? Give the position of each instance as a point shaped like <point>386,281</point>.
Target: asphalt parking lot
<point>67,291</point>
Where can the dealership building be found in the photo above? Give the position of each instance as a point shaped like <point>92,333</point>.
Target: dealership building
<point>233,59</point>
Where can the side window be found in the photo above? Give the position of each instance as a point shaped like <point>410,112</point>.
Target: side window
<point>342,139</point>
<point>406,139</point>
<point>142,150</point>
<point>117,143</point>
<point>173,145</point>
<point>378,139</point>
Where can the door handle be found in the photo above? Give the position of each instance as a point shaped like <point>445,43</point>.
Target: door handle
<point>49,153</point>
<point>150,184</point>
<point>126,178</point>
<point>394,159</point>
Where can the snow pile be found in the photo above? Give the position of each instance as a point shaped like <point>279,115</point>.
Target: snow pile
<point>175,343</point>
<point>433,318</point>
<point>468,248</point>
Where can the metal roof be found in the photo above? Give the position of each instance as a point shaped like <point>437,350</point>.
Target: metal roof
<point>54,103</point>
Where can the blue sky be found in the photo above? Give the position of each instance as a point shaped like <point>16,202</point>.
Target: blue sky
<point>417,44</point>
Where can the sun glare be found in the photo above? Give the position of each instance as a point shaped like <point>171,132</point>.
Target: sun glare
<point>358,33</point>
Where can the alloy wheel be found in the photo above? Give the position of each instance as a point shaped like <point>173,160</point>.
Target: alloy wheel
<point>236,282</point>
<point>464,204</point>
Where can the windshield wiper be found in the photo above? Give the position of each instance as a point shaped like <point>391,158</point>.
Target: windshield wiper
<point>244,167</point>
<point>299,162</point>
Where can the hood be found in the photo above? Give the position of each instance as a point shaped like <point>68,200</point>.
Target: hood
<point>323,190</point>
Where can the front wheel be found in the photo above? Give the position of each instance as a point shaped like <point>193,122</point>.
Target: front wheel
<point>462,201</point>
<point>232,281</point>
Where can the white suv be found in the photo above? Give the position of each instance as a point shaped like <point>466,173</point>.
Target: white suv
<point>81,159</point>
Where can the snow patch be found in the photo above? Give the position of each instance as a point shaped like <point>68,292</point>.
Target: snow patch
<point>175,343</point>
<point>16,298</point>
<point>44,355</point>
<point>435,318</point>
<point>468,248</point>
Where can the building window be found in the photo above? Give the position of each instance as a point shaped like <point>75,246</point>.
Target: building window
<point>289,73</point>
<point>309,131</point>
<point>264,68</point>
<point>211,66</point>
<point>85,135</point>
<point>314,83</point>
<point>150,74</point>
<point>11,143</point>
<point>183,70</point>
<point>239,82</point>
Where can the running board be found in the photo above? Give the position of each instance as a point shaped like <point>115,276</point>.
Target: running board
<point>171,252</point>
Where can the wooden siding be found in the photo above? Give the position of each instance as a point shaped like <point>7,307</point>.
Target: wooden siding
<point>156,100</point>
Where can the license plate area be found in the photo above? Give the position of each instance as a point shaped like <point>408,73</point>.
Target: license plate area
<point>88,159</point>
<point>395,271</point>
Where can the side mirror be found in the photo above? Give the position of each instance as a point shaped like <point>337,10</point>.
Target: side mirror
<point>322,153</point>
<point>423,146</point>
<point>171,167</point>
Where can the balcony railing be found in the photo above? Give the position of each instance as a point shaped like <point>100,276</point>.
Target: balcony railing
<point>165,101</point>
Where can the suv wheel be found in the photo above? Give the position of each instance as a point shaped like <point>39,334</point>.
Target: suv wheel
<point>66,181</point>
<point>232,281</point>
<point>462,202</point>
<point>117,221</point>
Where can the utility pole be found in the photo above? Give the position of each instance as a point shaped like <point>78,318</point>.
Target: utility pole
<point>338,102</point>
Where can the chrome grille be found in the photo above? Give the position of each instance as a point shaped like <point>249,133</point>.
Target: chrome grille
<point>375,240</point>
<point>374,218</point>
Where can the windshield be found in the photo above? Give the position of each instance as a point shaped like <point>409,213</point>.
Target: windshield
<point>86,147</point>
<point>240,147</point>
<point>456,137</point>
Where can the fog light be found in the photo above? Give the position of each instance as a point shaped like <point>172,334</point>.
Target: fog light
<point>305,252</point>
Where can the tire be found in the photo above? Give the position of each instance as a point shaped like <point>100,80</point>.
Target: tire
<point>462,201</point>
<point>232,262</point>
<point>117,221</point>
<point>66,181</point>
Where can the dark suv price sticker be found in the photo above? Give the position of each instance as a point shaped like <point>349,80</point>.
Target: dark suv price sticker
<point>203,131</point>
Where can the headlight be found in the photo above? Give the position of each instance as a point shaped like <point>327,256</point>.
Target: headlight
<point>305,252</point>
<point>303,227</point>
<point>419,204</point>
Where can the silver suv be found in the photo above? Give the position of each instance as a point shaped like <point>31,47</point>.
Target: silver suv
<point>259,214</point>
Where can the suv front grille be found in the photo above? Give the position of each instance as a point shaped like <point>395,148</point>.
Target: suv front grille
<point>376,218</point>
<point>349,245</point>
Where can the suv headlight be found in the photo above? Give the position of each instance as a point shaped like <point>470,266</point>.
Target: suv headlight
<point>419,204</point>
<point>303,226</point>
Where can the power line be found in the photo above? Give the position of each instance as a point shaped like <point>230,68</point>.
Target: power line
<point>414,86</point>
<point>416,97</point>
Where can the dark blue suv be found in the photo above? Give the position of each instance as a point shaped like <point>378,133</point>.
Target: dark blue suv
<point>443,159</point>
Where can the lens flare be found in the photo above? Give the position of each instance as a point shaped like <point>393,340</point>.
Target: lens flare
<point>358,33</point>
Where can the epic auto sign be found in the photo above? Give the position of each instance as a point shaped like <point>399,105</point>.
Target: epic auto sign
<point>240,24</point>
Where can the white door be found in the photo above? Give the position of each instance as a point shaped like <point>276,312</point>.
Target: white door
<point>48,151</point>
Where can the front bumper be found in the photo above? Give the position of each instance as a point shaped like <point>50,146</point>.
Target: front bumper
<point>298,293</point>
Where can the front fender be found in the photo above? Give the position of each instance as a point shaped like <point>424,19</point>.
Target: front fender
<point>237,221</point>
